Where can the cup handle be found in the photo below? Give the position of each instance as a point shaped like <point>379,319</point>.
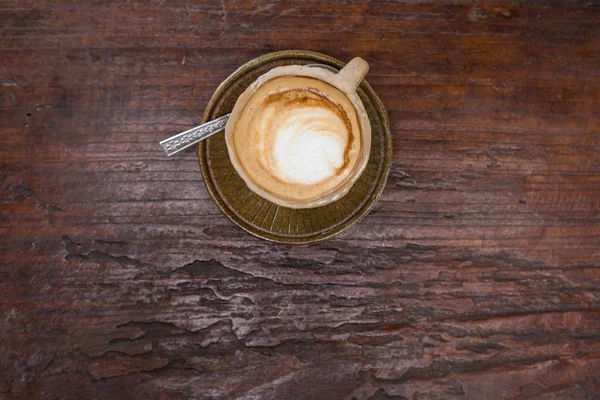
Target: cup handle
<point>354,72</point>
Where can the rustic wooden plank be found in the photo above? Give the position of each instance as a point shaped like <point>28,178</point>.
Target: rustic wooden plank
<point>476,275</point>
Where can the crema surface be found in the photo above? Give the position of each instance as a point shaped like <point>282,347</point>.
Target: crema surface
<point>297,137</point>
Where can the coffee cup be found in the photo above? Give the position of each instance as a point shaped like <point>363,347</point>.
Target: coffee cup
<point>299,136</point>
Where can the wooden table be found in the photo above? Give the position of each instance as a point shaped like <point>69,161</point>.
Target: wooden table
<point>476,276</point>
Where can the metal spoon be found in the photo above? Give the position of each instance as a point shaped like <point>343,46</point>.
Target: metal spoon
<point>183,140</point>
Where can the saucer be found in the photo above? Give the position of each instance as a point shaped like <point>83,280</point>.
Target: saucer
<point>263,218</point>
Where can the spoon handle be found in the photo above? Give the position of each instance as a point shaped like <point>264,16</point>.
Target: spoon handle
<point>183,140</point>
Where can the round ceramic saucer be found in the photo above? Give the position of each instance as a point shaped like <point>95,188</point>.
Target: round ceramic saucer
<point>263,218</point>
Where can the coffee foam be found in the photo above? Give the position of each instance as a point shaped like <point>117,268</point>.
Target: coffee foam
<point>303,139</point>
<point>297,137</point>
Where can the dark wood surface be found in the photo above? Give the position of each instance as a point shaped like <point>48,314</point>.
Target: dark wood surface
<point>476,276</point>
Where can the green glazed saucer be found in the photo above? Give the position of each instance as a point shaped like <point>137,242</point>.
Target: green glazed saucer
<point>263,218</point>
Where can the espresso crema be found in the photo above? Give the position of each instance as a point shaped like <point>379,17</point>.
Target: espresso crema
<point>297,137</point>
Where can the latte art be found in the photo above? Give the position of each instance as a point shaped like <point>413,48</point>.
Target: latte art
<point>297,137</point>
<point>301,139</point>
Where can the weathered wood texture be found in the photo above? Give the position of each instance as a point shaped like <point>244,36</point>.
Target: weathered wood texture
<point>477,275</point>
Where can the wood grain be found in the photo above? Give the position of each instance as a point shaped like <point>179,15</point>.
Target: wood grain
<point>476,276</point>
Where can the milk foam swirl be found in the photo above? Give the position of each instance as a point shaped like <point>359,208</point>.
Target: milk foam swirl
<point>304,144</point>
<point>297,137</point>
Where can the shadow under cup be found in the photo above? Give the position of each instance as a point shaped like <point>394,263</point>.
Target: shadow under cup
<point>345,82</point>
